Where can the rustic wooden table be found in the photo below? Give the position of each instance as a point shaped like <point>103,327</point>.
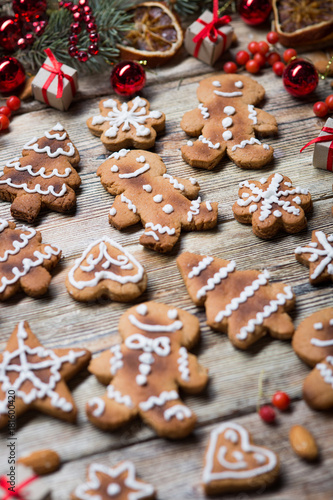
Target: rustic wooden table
<point>175,467</point>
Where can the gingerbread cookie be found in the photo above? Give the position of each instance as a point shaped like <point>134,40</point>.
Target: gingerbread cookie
<point>318,385</point>
<point>43,177</point>
<point>145,192</point>
<point>271,205</point>
<point>32,377</point>
<point>233,463</point>
<point>106,269</point>
<point>42,462</point>
<point>25,261</point>
<point>318,256</point>
<point>147,368</point>
<point>118,482</point>
<point>226,122</point>
<point>240,303</point>
<point>125,125</point>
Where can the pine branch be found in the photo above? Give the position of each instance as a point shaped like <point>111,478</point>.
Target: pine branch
<point>189,7</point>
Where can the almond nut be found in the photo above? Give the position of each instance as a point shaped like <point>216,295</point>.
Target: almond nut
<point>303,442</point>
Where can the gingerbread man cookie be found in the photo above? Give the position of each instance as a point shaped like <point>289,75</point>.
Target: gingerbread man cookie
<point>119,482</point>
<point>240,303</point>
<point>25,261</point>
<point>271,205</point>
<point>145,192</point>
<point>32,377</point>
<point>234,463</point>
<point>226,122</point>
<point>43,177</point>
<point>318,385</point>
<point>146,369</point>
<point>318,256</point>
<point>125,125</point>
<point>106,269</point>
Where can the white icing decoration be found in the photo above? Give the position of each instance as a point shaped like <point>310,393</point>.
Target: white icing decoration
<point>231,436</point>
<point>252,114</point>
<point>147,188</point>
<point>326,251</point>
<point>17,244</point>
<point>131,205</point>
<point>125,117</point>
<point>216,279</point>
<point>36,189</point>
<point>115,395</point>
<point>157,227</point>
<point>58,137</point>
<point>253,208</point>
<point>158,198</point>
<point>142,309</point>
<point>194,209</point>
<point>235,470</point>
<point>32,144</point>
<point>193,181</point>
<point>179,411</point>
<point>25,370</point>
<point>227,122</point>
<point>137,172</point>
<point>208,206</point>
<point>263,180</point>
<point>297,200</point>
<point>239,84</point>
<point>321,343</point>
<point>116,360</point>
<point>160,400</point>
<point>176,325</point>
<point>229,110</point>
<point>227,135</point>
<point>277,213</point>
<point>141,159</point>
<point>119,154</point>
<point>100,406</point>
<point>209,143</point>
<point>172,314</point>
<point>331,322</point>
<point>183,364</point>
<point>318,326</point>
<point>174,182</point>
<point>114,168</point>
<point>113,211</point>
<point>202,265</point>
<point>204,111</point>
<point>250,142</point>
<point>288,184</point>
<point>113,489</point>
<point>216,83</point>
<point>326,372</point>
<point>168,209</point>
<point>189,143</point>
<point>58,127</point>
<point>124,261</point>
<point>228,94</point>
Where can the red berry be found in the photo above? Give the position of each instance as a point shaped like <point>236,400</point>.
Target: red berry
<point>82,56</point>
<point>281,400</point>
<point>263,47</point>
<point>329,102</point>
<point>253,47</point>
<point>261,60</point>
<point>242,57</point>
<point>320,109</point>
<point>288,54</point>
<point>230,67</point>
<point>278,68</point>
<point>272,58</point>
<point>4,122</point>
<point>267,414</point>
<point>272,37</point>
<point>13,102</point>
<point>252,66</point>
<point>4,110</point>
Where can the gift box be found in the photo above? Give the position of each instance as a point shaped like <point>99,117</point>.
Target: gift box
<point>208,37</point>
<point>55,83</point>
<point>323,147</point>
<point>24,482</point>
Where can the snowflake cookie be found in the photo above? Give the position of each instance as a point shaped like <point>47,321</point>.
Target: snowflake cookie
<point>226,122</point>
<point>106,269</point>
<point>25,261</point>
<point>119,482</point>
<point>127,124</point>
<point>241,303</point>
<point>318,256</point>
<point>43,177</point>
<point>146,369</point>
<point>271,205</point>
<point>35,377</point>
<point>145,192</point>
<point>233,463</point>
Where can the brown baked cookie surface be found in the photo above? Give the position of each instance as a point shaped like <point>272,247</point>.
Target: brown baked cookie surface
<point>242,304</point>
<point>317,256</point>
<point>272,205</point>
<point>36,377</point>
<point>106,269</point>
<point>25,261</point>
<point>318,385</point>
<point>234,463</point>
<point>44,177</point>
<point>226,121</point>
<point>146,192</point>
<point>146,370</point>
<point>126,125</point>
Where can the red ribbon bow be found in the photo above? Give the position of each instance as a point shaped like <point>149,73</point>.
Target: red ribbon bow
<point>16,494</point>
<point>211,30</point>
<point>324,138</point>
<point>56,71</point>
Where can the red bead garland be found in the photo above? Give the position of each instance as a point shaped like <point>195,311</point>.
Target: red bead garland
<point>128,77</point>
<point>254,12</point>
<point>12,74</point>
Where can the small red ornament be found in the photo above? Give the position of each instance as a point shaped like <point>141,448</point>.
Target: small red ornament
<point>10,33</point>
<point>29,9</point>
<point>11,74</point>
<point>254,12</point>
<point>128,77</point>
<point>300,78</point>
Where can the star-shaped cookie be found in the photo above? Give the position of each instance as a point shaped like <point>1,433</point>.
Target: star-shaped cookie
<point>35,377</point>
<point>317,256</point>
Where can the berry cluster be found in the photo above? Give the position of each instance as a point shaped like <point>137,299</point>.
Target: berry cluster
<point>13,103</point>
<point>322,109</point>
<point>281,401</point>
<point>82,13</point>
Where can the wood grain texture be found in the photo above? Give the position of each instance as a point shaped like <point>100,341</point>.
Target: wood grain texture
<point>58,320</point>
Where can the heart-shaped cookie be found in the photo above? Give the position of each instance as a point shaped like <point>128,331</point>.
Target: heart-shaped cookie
<point>234,463</point>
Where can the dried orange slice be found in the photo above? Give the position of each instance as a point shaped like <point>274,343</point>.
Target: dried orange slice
<point>301,22</point>
<point>156,36</point>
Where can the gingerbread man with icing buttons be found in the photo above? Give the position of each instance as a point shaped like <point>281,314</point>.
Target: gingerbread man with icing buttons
<point>146,369</point>
<point>226,121</point>
<point>164,204</point>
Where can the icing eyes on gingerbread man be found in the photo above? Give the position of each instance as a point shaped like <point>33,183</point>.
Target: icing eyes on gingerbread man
<point>226,121</point>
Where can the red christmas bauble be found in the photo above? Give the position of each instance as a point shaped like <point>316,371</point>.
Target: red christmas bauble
<point>128,77</point>
<point>12,74</point>
<point>29,9</point>
<point>254,11</point>
<point>10,33</point>
<point>300,78</point>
